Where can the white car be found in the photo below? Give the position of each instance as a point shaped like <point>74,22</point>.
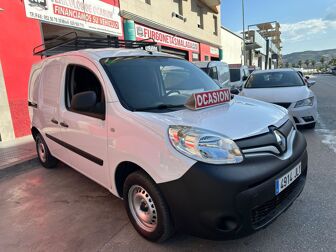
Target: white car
<point>131,120</point>
<point>286,88</point>
<point>217,70</point>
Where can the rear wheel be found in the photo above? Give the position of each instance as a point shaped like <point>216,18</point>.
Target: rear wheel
<point>147,208</point>
<point>43,153</point>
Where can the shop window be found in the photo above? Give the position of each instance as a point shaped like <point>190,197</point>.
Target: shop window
<point>215,25</point>
<point>79,79</point>
<point>200,23</point>
<point>206,58</point>
<point>195,56</point>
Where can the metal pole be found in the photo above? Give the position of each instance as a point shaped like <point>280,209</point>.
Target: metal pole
<point>244,48</point>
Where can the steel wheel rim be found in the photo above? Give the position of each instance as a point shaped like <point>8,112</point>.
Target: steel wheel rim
<point>41,151</point>
<point>142,208</point>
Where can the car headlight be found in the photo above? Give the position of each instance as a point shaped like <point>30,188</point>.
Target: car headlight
<point>204,145</point>
<point>306,102</point>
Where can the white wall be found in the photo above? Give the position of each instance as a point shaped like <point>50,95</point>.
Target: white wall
<point>232,47</point>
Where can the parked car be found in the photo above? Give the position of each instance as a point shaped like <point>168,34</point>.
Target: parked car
<point>251,69</point>
<point>119,117</point>
<point>217,70</point>
<point>286,88</point>
<point>238,76</point>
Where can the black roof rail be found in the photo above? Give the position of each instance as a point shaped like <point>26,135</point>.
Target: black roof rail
<point>72,42</point>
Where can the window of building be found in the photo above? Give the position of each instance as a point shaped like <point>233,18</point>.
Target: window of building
<point>200,17</point>
<point>215,25</point>
<point>178,8</point>
<point>206,58</point>
<point>79,79</point>
<point>195,56</point>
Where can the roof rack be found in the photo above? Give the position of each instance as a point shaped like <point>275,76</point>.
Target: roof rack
<point>72,42</point>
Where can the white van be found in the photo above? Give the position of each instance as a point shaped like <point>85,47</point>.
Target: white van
<point>217,70</point>
<point>156,131</point>
<point>238,75</point>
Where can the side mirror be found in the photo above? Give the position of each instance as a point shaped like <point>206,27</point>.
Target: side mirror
<point>310,83</point>
<point>84,101</point>
<point>307,77</point>
<point>234,91</point>
<point>244,78</point>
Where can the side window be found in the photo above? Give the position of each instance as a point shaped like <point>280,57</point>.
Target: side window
<point>79,80</point>
<point>224,76</point>
<point>213,73</point>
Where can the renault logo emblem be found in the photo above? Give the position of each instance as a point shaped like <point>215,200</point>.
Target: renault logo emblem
<point>281,140</point>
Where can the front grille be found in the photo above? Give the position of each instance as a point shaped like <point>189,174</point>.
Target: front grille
<point>262,213</point>
<point>283,104</point>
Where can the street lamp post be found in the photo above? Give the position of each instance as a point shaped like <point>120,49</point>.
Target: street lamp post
<point>244,47</point>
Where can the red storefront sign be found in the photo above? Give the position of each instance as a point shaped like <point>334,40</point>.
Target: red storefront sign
<point>166,39</point>
<point>208,99</point>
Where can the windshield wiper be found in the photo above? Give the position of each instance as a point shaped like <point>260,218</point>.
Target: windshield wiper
<point>160,107</point>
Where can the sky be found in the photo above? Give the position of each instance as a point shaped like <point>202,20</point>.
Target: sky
<point>305,24</point>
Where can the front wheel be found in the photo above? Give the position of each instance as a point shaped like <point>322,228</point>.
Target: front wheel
<point>147,208</point>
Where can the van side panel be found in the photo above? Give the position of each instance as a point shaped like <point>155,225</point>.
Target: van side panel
<point>48,102</point>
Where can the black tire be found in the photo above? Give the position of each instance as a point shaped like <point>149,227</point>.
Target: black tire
<point>164,228</point>
<point>46,159</point>
<point>310,126</point>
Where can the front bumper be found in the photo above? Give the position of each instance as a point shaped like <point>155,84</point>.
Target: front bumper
<point>304,115</point>
<point>231,201</point>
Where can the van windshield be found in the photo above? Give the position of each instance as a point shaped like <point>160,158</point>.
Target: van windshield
<point>155,83</point>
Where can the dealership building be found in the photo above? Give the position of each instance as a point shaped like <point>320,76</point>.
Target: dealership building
<point>187,28</point>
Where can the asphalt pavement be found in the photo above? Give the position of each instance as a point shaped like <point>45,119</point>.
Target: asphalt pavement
<point>61,210</point>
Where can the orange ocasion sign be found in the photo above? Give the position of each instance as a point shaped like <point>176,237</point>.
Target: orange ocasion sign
<point>208,99</point>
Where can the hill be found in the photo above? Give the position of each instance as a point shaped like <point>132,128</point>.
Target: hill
<point>293,58</point>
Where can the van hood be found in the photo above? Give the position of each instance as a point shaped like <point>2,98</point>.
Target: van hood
<point>240,118</point>
<point>278,95</point>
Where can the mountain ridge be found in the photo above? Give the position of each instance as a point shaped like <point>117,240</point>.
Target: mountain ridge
<point>293,58</point>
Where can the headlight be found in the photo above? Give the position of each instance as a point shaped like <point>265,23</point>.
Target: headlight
<point>305,102</point>
<point>204,146</point>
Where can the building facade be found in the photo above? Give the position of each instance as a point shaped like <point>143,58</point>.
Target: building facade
<point>187,28</point>
<point>232,46</point>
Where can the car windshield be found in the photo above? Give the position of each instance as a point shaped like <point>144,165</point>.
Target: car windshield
<point>155,83</point>
<point>274,79</point>
<point>234,75</point>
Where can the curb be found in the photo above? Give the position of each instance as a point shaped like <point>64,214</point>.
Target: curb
<point>19,167</point>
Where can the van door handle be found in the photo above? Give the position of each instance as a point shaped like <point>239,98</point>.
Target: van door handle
<point>54,121</point>
<point>63,124</point>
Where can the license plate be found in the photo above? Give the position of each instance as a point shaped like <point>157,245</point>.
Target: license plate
<point>287,179</point>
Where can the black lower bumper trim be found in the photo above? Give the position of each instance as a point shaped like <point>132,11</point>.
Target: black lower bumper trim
<point>226,201</point>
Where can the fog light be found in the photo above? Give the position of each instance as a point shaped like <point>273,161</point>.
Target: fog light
<point>308,118</point>
<point>226,224</point>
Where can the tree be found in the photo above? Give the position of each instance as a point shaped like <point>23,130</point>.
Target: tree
<point>322,60</point>
<point>332,62</point>
<point>313,62</point>
<point>287,64</point>
<point>307,63</point>
<point>300,63</point>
